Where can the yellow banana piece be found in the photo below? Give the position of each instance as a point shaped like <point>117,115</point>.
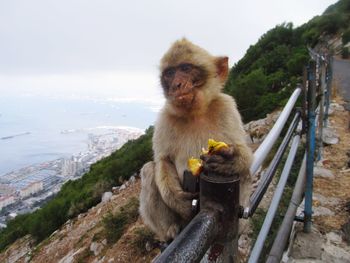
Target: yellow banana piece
<point>195,166</point>
<point>214,146</point>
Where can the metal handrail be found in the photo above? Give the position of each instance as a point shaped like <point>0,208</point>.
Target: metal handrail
<point>282,236</point>
<point>270,172</point>
<point>259,244</point>
<point>266,146</point>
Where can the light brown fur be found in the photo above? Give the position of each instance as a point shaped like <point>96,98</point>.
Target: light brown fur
<point>181,133</point>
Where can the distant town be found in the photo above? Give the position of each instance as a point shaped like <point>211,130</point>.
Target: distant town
<point>25,190</point>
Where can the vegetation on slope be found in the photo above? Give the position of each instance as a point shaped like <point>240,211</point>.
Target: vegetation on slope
<point>78,196</point>
<point>268,73</point>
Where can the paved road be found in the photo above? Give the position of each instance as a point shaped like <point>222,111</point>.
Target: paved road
<point>341,76</point>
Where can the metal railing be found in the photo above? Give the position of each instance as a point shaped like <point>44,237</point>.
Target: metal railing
<point>213,232</point>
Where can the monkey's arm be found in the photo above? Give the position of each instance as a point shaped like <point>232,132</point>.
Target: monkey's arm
<point>170,188</point>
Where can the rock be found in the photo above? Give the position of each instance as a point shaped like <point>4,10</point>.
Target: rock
<point>68,258</point>
<point>333,238</point>
<point>111,260</point>
<point>80,216</point>
<point>322,211</point>
<point>104,242</point>
<point>329,136</point>
<point>122,187</point>
<point>332,201</point>
<point>308,245</point>
<point>323,172</point>
<point>106,197</point>
<point>335,107</point>
<point>335,254</point>
<point>99,260</point>
<point>96,248</point>
<point>115,189</point>
<point>148,246</point>
<point>99,211</point>
<point>132,179</point>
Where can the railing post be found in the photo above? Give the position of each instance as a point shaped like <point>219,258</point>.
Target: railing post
<point>216,223</point>
<point>310,145</point>
<point>222,193</point>
<point>328,88</point>
<point>321,109</point>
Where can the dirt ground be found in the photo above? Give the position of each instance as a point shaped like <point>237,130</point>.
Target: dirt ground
<point>335,158</point>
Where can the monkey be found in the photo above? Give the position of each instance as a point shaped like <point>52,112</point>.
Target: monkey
<point>195,110</point>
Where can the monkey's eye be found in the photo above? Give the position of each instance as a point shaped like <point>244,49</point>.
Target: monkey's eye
<point>185,67</point>
<point>169,72</point>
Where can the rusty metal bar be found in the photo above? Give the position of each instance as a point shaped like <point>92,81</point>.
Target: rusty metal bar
<point>216,225</point>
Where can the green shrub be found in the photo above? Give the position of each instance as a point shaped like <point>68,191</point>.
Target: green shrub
<point>143,235</point>
<point>115,224</point>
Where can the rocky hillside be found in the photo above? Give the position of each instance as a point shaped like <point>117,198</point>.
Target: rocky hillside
<point>111,231</point>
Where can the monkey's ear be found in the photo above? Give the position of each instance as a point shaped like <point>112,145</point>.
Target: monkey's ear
<point>222,68</point>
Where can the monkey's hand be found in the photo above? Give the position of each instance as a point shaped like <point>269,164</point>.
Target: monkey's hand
<point>225,161</point>
<point>184,204</point>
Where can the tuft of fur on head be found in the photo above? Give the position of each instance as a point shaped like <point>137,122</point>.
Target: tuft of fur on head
<point>184,51</point>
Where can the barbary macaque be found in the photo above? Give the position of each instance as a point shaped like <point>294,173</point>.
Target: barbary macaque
<point>195,110</point>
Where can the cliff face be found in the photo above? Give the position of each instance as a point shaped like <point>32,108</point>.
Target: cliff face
<point>85,238</point>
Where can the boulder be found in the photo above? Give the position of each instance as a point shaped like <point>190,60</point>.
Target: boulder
<point>96,248</point>
<point>106,197</point>
<point>323,172</point>
<point>329,136</point>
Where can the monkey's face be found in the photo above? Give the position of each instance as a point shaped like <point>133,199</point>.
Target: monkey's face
<point>181,83</point>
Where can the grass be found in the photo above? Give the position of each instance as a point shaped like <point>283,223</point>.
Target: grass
<point>115,224</point>
<point>143,235</point>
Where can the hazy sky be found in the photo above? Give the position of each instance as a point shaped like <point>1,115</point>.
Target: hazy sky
<point>78,44</point>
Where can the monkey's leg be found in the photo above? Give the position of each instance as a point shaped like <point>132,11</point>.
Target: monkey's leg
<point>154,212</point>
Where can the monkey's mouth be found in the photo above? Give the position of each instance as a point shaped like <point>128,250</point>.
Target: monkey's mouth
<point>184,99</point>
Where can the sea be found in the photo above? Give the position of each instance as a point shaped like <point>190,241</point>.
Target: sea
<point>32,128</point>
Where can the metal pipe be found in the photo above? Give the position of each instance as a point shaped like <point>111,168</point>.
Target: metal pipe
<point>216,224</point>
<point>192,243</point>
<point>321,110</point>
<point>258,246</point>
<point>310,147</point>
<point>266,180</point>
<point>282,236</point>
<point>329,88</point>
<point>261,153</point>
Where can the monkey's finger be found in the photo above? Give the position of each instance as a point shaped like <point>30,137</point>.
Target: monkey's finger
<point>215,159</point>
<point>227,153</point>
<point>204,157</point>
<point>188,195</point>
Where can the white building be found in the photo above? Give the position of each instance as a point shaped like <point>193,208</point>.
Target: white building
<point>30,189</point>
<point>6,200</point>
